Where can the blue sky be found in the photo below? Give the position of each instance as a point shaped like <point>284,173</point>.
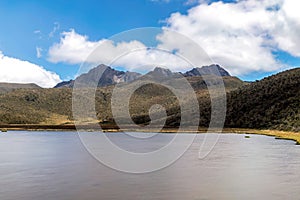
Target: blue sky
<point>97,19</point>
<point>34,24</point>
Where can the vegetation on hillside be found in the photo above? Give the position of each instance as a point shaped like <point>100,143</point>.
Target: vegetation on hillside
<point>272,103</point>
<point>8,87</point>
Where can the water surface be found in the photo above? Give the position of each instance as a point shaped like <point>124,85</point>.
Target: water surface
<point>55,165</point>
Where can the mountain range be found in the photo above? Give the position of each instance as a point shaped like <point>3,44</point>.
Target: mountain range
<point>103,75</point>
<point>271,103</point>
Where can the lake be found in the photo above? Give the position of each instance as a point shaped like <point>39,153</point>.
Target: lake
<point>55,165</point>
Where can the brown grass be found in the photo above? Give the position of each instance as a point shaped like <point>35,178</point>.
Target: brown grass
<point>287,135</point>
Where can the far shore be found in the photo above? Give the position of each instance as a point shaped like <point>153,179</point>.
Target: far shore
<point>285,135</point>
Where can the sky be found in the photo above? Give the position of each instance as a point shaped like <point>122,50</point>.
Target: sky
<point>45,42</point>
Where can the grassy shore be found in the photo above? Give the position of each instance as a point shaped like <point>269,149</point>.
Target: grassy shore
<point>286,135</point>
<point>283,135</point>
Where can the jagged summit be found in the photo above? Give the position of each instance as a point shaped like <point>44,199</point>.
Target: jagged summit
<point>213,69</point>
<point>103,75</point>
<point>160,72</point>
<point>163,71</point>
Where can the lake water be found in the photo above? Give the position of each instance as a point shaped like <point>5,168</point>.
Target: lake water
<point>55,166</point>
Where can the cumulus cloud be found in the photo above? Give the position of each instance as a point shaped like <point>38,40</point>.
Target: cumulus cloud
<point>286,31</point>
<point>74,48</point>
<point>242,35</point>
<point>147,59</point>
<point>14,70</point>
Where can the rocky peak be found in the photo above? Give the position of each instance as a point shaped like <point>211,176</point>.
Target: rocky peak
<point>213,69</point>
<point>163,71</point>
<point>101,75</point>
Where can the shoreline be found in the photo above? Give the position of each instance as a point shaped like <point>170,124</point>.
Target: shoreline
<point>281,135</point>
<point>277,134</point>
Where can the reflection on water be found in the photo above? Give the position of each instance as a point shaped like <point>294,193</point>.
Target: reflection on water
<point>54,165</point>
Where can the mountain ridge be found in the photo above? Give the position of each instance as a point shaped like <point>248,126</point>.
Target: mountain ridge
<point>271,103</point>
<point>103,75</point>
<point>213,69</point>
<point>7,87</point>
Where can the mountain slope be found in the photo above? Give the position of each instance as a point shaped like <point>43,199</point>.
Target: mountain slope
<point>213,69</point>
<point>273,102</point>
<point>35,106</point>
<point>7,87</point>
<point>54,106</point>
<point>101,75</point>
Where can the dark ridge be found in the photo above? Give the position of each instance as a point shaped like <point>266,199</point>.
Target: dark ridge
<point>213,69</point>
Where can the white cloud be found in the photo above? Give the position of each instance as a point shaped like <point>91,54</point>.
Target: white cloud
<point>54,30</point>
<point>39,52</point>
<point>287,29</point>
<point>74,48</point>
<point>147,59</point>
<point>192,2</point>
<point>14,70</point>
<point>243,34</point>
<point>37,31</point>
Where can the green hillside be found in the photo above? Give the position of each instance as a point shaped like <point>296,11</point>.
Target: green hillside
<point>34,106</point>
<point>273,102</point>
